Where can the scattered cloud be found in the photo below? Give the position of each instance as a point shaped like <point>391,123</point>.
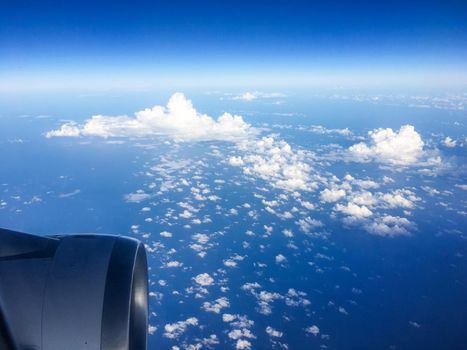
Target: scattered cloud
<point>204,279</point>
<point>166,234</point>
<point>174,330</point>
<point>137,197</point>
<point>243,344</point>
<point>217,305</point>
<point>332,195</point>
<point>273,333</point>
<point>276,162</point>
<point>280,259</point>
<point>389,226</point>
<point>449,142</point>
<point>354,211</point>
<point>313,330</point>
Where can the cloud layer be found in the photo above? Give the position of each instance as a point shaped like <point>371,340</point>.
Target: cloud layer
<point>178,120</point>
<point>250,96</point>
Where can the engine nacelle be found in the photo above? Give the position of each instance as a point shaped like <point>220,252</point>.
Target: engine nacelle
<point>72,292</point>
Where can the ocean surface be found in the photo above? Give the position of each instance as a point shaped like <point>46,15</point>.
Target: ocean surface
<point>290,238</point>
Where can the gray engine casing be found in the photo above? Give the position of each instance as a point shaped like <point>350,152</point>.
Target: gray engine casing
<point>72,292</point>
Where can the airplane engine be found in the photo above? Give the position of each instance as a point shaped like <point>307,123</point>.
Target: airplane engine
<point>72,292</point>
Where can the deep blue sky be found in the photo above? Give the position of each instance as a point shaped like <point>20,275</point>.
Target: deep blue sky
<point>144,43</point>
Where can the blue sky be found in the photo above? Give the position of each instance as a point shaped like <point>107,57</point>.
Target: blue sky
<point>141,44</point>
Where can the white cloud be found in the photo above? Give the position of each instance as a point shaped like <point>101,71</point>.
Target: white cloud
<point>239,333</point>
<point>174,330</point>
<point>230,263</point>
<point>228,317</point>
<point>403,147</point>
<point>355,211</point>
<point>166,234</point>
<point>251,286</point>
<point>186,214</point>
<point>152,329</point>
<point>313,330</point>
<point>449,142</point>
<point>319,129</point>
<point>363,198</point>
<point>69,194</point>
<point>178,120</point>
<point>273,333</point>
<point>251,96</point>
<point>400,199</point>
<point>236,161</point>
<point>276,162</point>
<point>174,264</point>
<point>69,129</point>
<point>280,258</point>
<point>389,226</point>
<point>332,195</point>
<point>137,196</point>
<point>243,345</point>
<point>307,224</point>
<point>204,279</point>
<point>217,305</point>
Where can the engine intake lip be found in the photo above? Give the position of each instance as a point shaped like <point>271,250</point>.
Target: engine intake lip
<point>125,309</point>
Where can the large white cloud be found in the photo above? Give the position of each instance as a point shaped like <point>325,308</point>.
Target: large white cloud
<point>178,120</point>
<point>403,147</point>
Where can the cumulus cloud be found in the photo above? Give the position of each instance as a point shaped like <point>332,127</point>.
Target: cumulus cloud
<point>307,224</point>
<point>166,234</point>
<point>449,142</point>
<point>228,317</point>
<point>313,330</point>
<point>403,147</point>
<point>178,120</point>
<point>174,330</point>
<point>137,196</point>
<point>69,129</point>
<point>217,305</point>
<point>389,226</point>
<point>400,199</point>
<point>276,162</point>
<point>204,279</point>
<point>332,195</point>
<point>174,264</point>
<point>355,211</point>
<point>243,344</point>
<point>273,333</point>
<point>280,259</point>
